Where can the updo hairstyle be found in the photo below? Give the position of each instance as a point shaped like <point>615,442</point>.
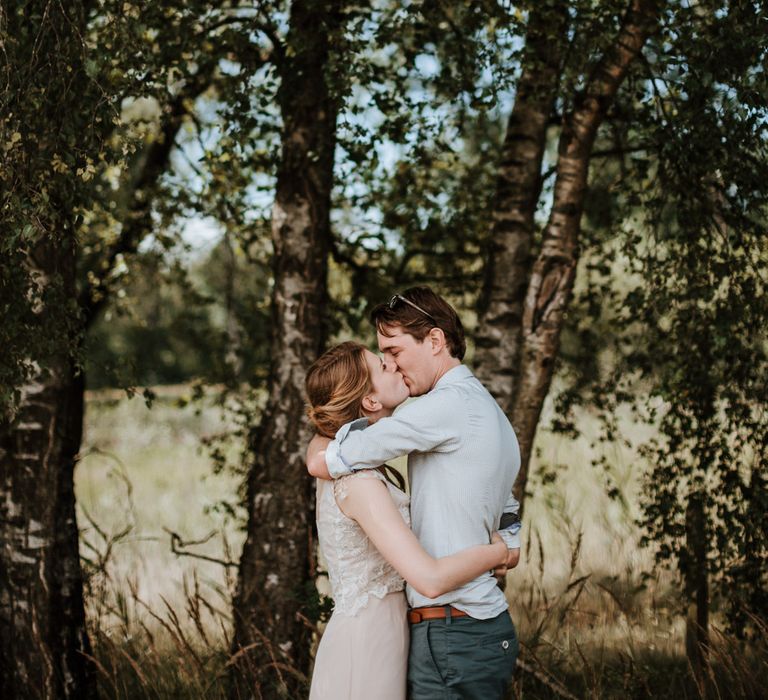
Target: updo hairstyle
<point>336,384</point>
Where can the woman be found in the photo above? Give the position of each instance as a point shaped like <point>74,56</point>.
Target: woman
<point>363,526</point>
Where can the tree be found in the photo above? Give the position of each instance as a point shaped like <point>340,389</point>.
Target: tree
<point>499,335</point>
<point>703,315</point>
<point>44,650</point>
<point>671,275</point>
<point>64,140</point>
<point>272,640</point>
<point>526,346</point>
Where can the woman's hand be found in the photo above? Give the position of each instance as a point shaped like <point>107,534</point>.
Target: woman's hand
<point>370,504</point>
<point>504,560</point>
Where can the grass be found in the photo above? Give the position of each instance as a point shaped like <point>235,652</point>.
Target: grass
<point>593,621</point>
<point>143,476</point>
<point>159,620</point>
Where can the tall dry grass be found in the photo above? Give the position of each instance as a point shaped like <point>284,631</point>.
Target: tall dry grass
<point>596,618</point>
<point>159,545</point>
<point>161,535</point>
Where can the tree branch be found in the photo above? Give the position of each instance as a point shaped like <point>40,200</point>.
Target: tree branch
<point>137,223</point>
<point>94,296</point>
<point>541,675</point>
<point>178,547</point>
<point>605,153</point>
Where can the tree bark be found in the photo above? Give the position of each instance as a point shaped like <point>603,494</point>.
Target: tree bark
<point>44,647</point>
<point>498,337</point>
<point>552,275</point>
<point>271,641</point>
<point>696,584</point>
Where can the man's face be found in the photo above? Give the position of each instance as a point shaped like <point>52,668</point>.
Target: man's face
<point>413,359</point>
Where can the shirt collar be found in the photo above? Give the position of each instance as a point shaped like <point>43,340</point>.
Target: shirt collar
<point>344,430</point>
<point>453,376</point>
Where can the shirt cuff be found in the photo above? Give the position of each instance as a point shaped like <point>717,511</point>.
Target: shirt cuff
<point>337,467</point>
<point>511,536</point>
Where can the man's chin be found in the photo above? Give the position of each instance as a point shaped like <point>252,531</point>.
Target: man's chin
<point>412,388</point>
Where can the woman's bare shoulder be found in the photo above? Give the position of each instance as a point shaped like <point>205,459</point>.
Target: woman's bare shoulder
<point>362,483</point>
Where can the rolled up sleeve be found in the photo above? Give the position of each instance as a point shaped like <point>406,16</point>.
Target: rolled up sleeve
<point>509,527</point>
<point>337,467</point>
<point>419,426</point>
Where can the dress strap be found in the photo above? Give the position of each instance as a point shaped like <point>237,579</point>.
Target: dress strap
<point>393,476</point>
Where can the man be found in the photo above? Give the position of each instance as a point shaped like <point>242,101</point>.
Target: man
<point>463,460</point>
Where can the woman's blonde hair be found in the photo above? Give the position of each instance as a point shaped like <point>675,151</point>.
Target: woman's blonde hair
<point>336,384</point>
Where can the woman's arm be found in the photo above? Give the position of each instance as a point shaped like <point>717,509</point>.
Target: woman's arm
<point>368,501</point>
<point>316,465</point>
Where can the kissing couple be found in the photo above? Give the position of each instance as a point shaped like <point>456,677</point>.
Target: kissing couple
<point>450,635</point>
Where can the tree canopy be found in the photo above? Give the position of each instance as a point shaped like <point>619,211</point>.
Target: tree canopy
<point>585,181</point>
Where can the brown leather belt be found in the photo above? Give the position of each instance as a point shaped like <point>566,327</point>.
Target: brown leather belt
<point>438,612</point>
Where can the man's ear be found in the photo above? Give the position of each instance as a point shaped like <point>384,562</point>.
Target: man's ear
<point>437,339</point>
<point>371,403</point>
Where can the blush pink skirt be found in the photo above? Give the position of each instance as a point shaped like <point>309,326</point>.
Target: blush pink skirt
<point>365,656</point>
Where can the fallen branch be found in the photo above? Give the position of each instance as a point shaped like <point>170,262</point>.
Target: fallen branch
<point>541,675</point>
<point>178,547</point>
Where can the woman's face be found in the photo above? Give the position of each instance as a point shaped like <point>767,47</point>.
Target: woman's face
<point>388,385</point>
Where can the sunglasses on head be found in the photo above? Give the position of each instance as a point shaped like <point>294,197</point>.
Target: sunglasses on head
<point>398,297</point>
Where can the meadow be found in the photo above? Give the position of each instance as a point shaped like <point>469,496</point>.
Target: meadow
<point>161,534</point>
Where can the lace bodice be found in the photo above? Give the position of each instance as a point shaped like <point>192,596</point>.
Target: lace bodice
<point>355,568</point>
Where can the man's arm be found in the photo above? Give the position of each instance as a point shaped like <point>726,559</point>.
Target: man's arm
<point>421,426</point>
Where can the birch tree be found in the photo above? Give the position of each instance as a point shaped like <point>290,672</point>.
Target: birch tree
<point>498,338</point>
<point>66,71</point>
<point>44,650</point>
<point>520,326</point>
<point>272,640</point>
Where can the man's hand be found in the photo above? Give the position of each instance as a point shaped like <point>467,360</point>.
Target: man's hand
<point>316,465</point>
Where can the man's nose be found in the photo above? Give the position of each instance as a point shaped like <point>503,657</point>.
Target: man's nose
<point>390,366</point>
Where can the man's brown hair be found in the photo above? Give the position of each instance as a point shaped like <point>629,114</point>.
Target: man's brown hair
<point>417,311</point>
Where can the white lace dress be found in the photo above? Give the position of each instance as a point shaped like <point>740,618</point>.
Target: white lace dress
<point>363,654</point>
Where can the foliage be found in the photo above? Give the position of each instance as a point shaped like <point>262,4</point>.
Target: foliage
<point>173,321</point>
<point>673,230</point>
<point>51,131</point>
<point>671,310</point>
<point>79,120</point>
<point>676,273</point>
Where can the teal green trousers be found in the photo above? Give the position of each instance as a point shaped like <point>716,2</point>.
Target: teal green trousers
<point>462,657</point>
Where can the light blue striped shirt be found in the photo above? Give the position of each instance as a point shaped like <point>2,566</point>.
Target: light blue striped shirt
<point>463,460</point>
